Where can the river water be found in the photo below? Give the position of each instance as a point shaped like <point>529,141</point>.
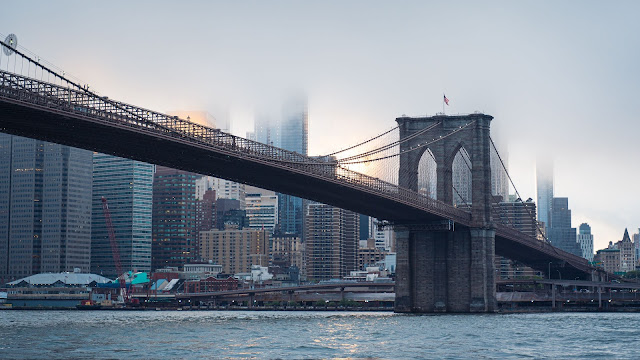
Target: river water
<point>311,335</point>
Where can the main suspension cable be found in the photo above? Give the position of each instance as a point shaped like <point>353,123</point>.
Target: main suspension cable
<point>388,146</point>
<point>410,149</point>
<point>364,142</point>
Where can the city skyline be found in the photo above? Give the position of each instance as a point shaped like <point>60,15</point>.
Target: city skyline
<point>554,82</point>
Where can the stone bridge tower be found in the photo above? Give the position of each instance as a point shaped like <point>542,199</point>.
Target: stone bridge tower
<point>447,271</point>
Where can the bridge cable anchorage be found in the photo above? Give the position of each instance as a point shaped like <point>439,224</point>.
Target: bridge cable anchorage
<point>411,149</point>
<point>362,143</point>
<point>389,146</point>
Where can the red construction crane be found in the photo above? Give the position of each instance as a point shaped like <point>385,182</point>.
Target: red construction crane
<point>114,249</point>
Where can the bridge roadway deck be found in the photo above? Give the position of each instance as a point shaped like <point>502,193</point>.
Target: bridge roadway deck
<point>48,112</point>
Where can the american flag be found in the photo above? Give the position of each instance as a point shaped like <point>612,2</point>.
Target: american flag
<point>446,101</point>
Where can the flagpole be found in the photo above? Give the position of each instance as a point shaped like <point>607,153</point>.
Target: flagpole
<point>443,103</point>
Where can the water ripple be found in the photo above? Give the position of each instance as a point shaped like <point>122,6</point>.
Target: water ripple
<point>312,335</point>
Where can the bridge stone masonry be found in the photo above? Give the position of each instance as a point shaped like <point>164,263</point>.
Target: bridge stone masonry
<point>445,270</point>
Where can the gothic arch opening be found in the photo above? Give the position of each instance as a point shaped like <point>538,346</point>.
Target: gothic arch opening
<point>427,175</point>
<point>461,178</point>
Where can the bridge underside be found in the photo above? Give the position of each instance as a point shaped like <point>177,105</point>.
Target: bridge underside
<point>119,140</point>
<point>544,261</point>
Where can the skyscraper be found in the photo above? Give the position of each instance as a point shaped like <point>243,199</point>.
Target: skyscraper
<point>585,239</point>
<point>331,241</point>
<point>174,218</point>
<point>45,207</point>
<point>544,184</point>
<point>127,185</point>
<point>293,131</point>
<point>266,130</point>
<point>262,210</point>
<point>561,234</point>
<point>499,180</point>
<point>227,189</point>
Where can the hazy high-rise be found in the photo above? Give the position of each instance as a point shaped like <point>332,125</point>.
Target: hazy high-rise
<point>544,186</point>
<point>293,130</point>
<point>127,185</point>
<point>45,207</point>
<point>585,239</point>
<point>561,234</point>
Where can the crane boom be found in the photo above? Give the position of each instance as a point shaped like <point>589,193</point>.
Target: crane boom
<point>114,249</point>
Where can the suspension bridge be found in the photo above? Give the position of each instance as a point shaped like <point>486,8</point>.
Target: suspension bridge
<point>445,252</point>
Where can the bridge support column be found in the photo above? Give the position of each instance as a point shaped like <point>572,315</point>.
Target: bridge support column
<point>445,271</point>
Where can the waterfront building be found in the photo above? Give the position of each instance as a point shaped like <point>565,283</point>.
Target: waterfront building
<point>211,284</point>
<point>127,185</point>
<point>331,241</point>
<point>45,207</point>
<point>561,234</point>
<point>174,238</point>
<point>287,250</point>
<point>585,239</point>
<point>608,259</point>
<point>520,216</point>
<point>236,250</point>
<point>544,186</point>
<point>65,289</point>
<point>627,253</point>
<point>370,256</point>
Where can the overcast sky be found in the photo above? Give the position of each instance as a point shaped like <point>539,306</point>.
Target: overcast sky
<point>558,76</point>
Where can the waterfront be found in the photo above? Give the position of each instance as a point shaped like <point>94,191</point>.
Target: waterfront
<point>255,334</point>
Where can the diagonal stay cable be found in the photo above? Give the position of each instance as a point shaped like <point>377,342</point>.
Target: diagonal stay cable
<point>411,149</point>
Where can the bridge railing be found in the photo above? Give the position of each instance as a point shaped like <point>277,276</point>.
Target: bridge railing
<point>87,104</point>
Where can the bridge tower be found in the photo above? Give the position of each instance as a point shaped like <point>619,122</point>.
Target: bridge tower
<point>450,270</point>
